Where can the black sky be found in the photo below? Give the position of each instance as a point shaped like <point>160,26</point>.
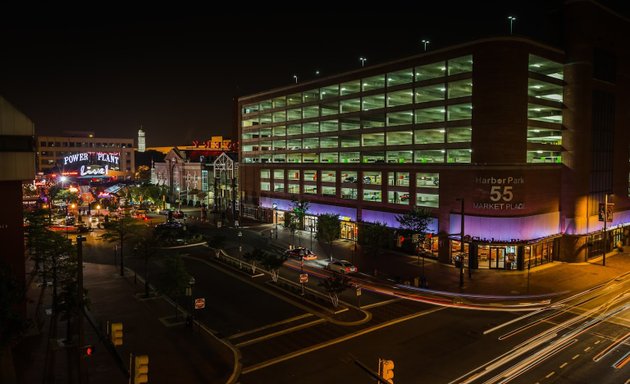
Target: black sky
<point>178,69</point>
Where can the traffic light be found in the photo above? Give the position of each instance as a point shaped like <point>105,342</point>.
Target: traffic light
<point>387,370</point>
<point>116,334</point>
<point>88,350</point>
<point>141,369</point>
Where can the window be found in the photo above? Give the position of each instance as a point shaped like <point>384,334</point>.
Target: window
<point>294,99</point>
<point>293,174</point>
<point>350,105</point>
<point>427,180</point>
<point>430,156</point>
<point>265,105</point>
<point>311,111</point>
<point>372,195</point>
<point>397,98</point>
<point>349,193</point>
<point>400,157</point>
<point>350,87</point>
<point>398,179</point>
<point>430,71</point>
<point>279,102</point>
<point>462,64</point>
<point>329,126</point>
<point>400,138</point>
<point>266,119</point>
<point>329,191</point>
<point>294,129</point>
<point>310,158</point>
<point>374,157</point>
<point>458,155</point>
<point>294,188</point>
<point>329,142</point>
<point>279,116</point>
<point>460,88</point>
<point>459,112</point>
<point>294,114</point>
<point>350,123</point>
<point>544,113</point>
<point>278,174</point>
<point>329,91</point>
<point>429,136</point>
<point>399,118</point>
<point>546,67</point>
<point>374,82</point>
<point>310,128</point>
<point>396,197</point>
<point>548,157</point>
<point>371,178</point>
<point>265,186</point>
<point>310,175</point>
<point>294,144</point>
<point>280,158</point>
<point>543,90</point>
<point>311,143</point>
<point>544,136</point>
<point>294,158</point>
<point>329,176</point>
<point>349,177</point>
<point>404,76</point>
<point>250,108</point>
<point>265,174</point>
<point>373,102</point>
<point>372,139</point>
<point>430,93</point>
<point>329,108</point>
<point>429,115</point>
<point>309,96</point>
<point>459,135</point>
<point>373,121</point>
<point>278,186</point>
<point>310,189</point>
<point>427,200</point>
<point>329,157</point>
<point>350,157</point>
<point>280,130</point>
<point>250,122</point>
<point>279,145</point>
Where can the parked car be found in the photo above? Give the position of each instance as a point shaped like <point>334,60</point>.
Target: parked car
<point>178,215</point>
<point>341,266</point>
<point>350,179</point>
<point>301,253</point>
<point>404,197</point>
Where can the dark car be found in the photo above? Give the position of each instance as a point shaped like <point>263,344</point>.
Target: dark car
<point>301,253</point>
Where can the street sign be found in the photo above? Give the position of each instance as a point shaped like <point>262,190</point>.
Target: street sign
<point>200,303</point>
<point>358,291</point>
<point>303,278</point>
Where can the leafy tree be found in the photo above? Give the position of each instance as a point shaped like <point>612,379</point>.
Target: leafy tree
<point>174,279</point>
<point>374,236</point>
<point>290,222</point>
<point>328,230</point>
<point>273,261</point>
<point>143,173</point>
<point>334,286</point>
<point>416,221</point>
<point>252,257</point>
<point>121,231</point>
<point>146,247</point>
<point>299,209</point>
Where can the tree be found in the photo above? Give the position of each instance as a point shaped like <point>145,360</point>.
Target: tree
<point>143,173</point>
<point>290,222</point>
<point>174,279</point>
<point>273,261</point>
<point>253,256</point>
<point>334,286</point>
<point>299,209</point>
<point>328,230</point>
<point>374,236</point>
<point>416,221</point>
<point>146,247</point>
<point>122,231</point>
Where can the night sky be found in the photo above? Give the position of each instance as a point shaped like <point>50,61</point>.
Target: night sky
<point>177,71</point>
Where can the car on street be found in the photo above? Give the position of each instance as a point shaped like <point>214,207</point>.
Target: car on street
<point>300,253</point>
<point>94,221</point>
<point>341,266</point>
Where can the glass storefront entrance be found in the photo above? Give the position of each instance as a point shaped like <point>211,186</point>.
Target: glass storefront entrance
<point>348,231</point>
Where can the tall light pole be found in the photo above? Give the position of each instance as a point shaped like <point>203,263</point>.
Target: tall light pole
<point>511,19</point>
<point>461,249</point>
<point>275,212</point>
<point>362,60</point>
<point>191,284</point>
<point>295,78</point>
<point>425,43</point>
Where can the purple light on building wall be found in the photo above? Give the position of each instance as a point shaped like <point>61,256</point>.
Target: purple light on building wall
<point>507,228</point>
<point>389,219</point>
<point>314,209</point>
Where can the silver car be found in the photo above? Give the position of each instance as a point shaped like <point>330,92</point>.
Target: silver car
<point>341,266</point>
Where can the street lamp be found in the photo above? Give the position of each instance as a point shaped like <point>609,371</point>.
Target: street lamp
<point>461,246</point>
<point>362,60</point>
<point>311,226</point>
<point>191,284</point>
<point>295,78</point>
<point>425,43</point>
<point>275,212</point>
<point>512,19</point>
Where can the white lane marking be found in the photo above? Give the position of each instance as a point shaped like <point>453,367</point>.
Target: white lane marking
<point>564,365</point>
<point>551,374</point>
<point>575,357</point>
<point>586,349</point>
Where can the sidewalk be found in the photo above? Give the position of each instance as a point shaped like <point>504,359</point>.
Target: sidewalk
<point>553,279</point>
<point>176,353</point>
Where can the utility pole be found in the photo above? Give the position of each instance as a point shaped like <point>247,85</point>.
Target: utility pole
<point>82,368</point>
